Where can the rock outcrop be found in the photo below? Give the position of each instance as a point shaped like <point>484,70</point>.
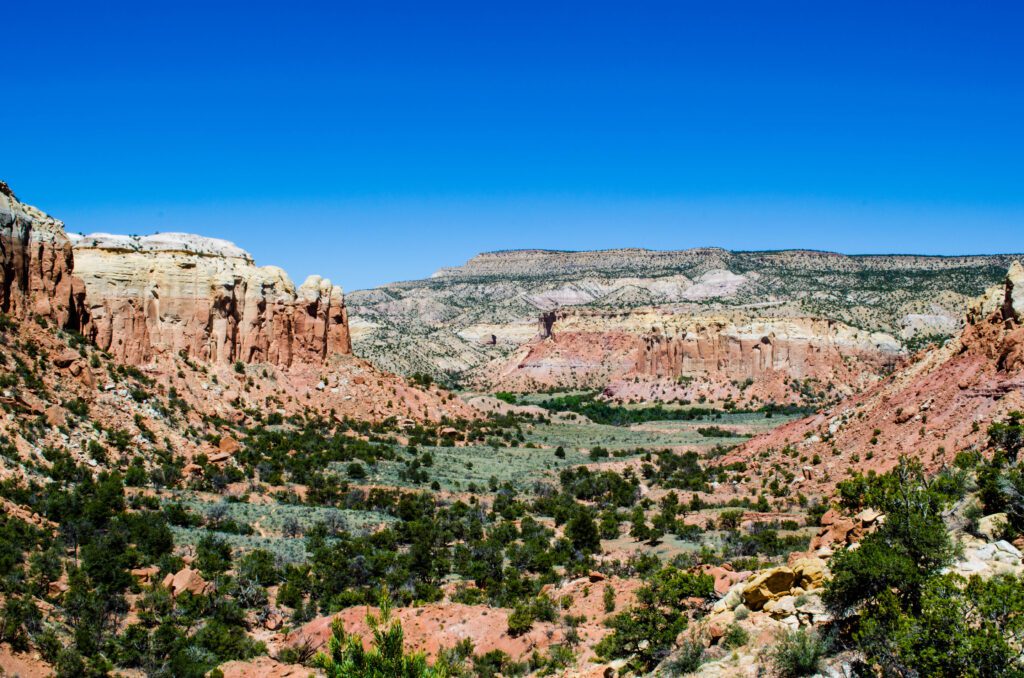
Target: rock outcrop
<point>655,354</point>
<point>184,580</point>
<point>175,293</point>
<point>938,404</point>
<point>37,266</point>
<point>443,325</point>
<point>185,308</point>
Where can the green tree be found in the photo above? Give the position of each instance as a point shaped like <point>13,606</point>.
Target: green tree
<point>912,618</point>
<point>646,632</point>
<point>911,546</point>
<point>582,532</point>
<point>345,656</point>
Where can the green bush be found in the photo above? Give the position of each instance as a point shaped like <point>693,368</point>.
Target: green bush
<point>687,659</point>
<point>798,653</point>
<point>735,636</point>
<point>386,658</point>
<point>520,621</point>
<point>911,546</point>
<point>645,632</point>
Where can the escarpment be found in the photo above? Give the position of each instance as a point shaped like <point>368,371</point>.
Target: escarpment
<point>36,266</point>
<point>655,353</point>
<point>175,293</point>
<point>442,325</point>
<point>937,405</point>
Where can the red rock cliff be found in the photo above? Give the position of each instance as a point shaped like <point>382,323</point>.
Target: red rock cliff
<point>36,265</point>
<point>177,293</point>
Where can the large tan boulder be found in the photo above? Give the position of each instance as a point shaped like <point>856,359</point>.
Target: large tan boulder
<point>229,445</point>
<point>768,585</point>
<point>145,575</point>
<point>991,526</point>
<point>809,573</point>
<point>186,579</point>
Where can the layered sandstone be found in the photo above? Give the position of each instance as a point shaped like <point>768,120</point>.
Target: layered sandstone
<point>36,266</point>
<point>637,352</point>
<point>183,308</point>
<point>175,293</point>
<point>459,321</point>
<point>939,404</point>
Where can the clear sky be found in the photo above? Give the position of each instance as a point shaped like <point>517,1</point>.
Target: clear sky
<point>375,141</point>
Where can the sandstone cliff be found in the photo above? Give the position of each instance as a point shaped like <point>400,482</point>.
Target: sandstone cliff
<point>652,353</point>
<point>184,308</point>
<point>175,293</point>
<point>36,265</point>
<point>939,404</point>
<point>460,320</point>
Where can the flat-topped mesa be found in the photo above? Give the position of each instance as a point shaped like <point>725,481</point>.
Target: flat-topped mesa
<point>174,293</point>
<point>36,265</point>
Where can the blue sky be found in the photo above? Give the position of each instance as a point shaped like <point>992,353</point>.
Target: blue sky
<point>379,141</point>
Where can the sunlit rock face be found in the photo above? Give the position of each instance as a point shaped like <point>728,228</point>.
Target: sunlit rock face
<point>37,265</point>
<point>205,298</point>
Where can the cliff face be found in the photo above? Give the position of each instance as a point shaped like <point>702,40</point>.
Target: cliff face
<point>184,308</point>
<point>176,293</point>
<point>648,353</point>
<point>36,265</point>
<point>937,405</point>
<point>459,321</point>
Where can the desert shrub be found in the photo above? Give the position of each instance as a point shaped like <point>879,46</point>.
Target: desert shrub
<point>798,653</point>
<point>646,632</point>
<point>609,598</point>
<point>386,658</point>
<point>687,659</point>
<point>960,626</point>
<point>914,619</point>
<point>520,621</point>
<point>911,546</point>
<point>735,636</point>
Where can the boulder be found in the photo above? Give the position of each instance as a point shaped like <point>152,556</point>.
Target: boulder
<point>991,526</point>
<point>145,575</point>
<point>186,579</point>
<point>782,607</point>
<point>58,587</point>
<point>809,573</point>
<point>55,415</point>
<point>65,358</point>
<point>868,517</point>
<point>732,599</point>
<point>768,585</point>
<point>725,577</point>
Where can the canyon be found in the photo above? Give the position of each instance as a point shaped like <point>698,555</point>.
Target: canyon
<point>650,354</point>
<point>515,320</point>
<point>184,431</point>
<point>937,405</point>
